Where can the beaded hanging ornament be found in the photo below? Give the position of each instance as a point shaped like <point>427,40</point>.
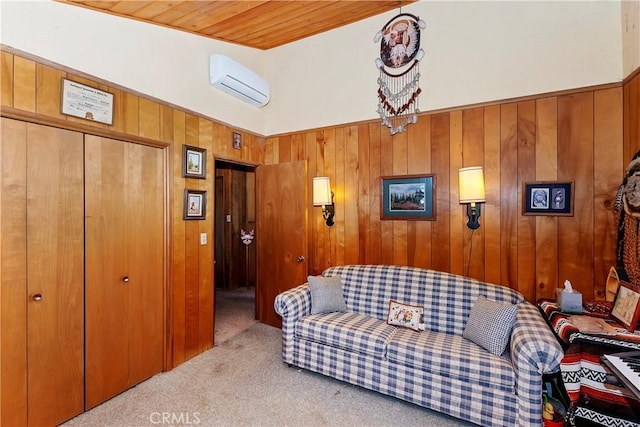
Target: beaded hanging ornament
<point>399,89</point>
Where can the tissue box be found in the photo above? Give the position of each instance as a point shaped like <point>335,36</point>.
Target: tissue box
<point>569,302</point>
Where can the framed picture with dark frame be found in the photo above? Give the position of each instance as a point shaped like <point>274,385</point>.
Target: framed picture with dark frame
<point>195,204</point>
<point>626,306</point>
<point>547,198</point>
<point>194,162</point>
<point>408,197</point>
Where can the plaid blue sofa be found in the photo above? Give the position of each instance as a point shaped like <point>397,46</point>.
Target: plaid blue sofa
<point>436,368</point>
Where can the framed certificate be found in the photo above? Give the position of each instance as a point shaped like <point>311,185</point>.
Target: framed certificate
<point>86,102</point>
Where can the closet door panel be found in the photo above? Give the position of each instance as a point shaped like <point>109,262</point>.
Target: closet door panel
<point>125,265</point>
<point>146,255</point>
<point>55,269</point>
<point>13,281</point>
<point>106,217</point>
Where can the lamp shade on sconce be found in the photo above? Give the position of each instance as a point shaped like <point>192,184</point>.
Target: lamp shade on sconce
<point>471,185</point>
<point>321,191</point>
<point>322,196</point>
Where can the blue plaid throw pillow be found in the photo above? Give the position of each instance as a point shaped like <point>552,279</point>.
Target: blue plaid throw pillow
<point>490,324</point>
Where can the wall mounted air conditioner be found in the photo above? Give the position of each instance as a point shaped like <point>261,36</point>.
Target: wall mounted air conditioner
<point>237,80</point>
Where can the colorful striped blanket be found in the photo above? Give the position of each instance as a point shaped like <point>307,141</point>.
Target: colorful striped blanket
<point>594,392</point>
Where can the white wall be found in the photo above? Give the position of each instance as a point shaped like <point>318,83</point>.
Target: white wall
<point>630,36</point>
<point>170,65</point>
<point>475,52</point>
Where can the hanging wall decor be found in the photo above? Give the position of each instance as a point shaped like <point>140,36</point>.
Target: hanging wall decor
<point>627,216</point>
<point>399,80</point>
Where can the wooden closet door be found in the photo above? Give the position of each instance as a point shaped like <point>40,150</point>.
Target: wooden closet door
<point>42,263</point>
<point>124,186</point>
<point>146,261</point>
<point>55,272</point>
<point>13,280</point>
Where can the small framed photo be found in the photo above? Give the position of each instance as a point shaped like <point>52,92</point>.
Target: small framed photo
<point>237,141</point>
<point>409,197</point>
<point>547,198</point>
<point>626,306</point>
<point>194,162</point>
<point>195,204</point>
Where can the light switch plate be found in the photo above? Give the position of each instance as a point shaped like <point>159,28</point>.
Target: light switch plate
<point>203,238</point>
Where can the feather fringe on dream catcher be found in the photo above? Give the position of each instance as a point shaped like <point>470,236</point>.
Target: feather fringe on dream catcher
<point>400,51</point>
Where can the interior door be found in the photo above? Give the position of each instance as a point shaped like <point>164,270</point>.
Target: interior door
<point>145,232</point>
<point>42,285</point>
<point>124,265</point>
<point>55,267</point>
<point>281,233</point>
<point>220,270</point>
<point>13,265</point>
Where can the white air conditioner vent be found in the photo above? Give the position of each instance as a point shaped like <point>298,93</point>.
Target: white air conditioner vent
<point>237,80</point>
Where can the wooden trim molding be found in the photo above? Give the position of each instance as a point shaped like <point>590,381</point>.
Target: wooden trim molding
<point>631,76</point>
<point>14,113</point>
<point>111,85</point>
<point>472,106</point>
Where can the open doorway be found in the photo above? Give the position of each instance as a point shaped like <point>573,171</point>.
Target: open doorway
<point>235,260</point>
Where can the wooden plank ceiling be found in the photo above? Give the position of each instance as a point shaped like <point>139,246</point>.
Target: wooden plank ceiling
<point>259,24</point>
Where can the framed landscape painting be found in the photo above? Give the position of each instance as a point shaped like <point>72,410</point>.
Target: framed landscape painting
<point>194,162</point>
<point>408,197</point>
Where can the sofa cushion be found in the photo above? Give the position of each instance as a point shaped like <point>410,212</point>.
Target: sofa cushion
<point>490,324</point>
<point>451,356</point>
<point>326,294</point>
<point>348,331</point>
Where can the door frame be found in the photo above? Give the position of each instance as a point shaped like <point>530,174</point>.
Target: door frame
<point>235,165</point>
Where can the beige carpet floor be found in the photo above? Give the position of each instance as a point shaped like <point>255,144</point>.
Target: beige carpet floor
<point>235,311</point>
<point>243,382</point>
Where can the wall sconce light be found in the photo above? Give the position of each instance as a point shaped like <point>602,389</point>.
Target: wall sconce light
<point>322,196</point>
<point>471,191</point>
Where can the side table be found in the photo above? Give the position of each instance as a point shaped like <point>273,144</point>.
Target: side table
<point>596,397</point>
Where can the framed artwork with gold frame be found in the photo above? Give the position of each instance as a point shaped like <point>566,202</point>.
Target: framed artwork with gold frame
<point>626,306</point>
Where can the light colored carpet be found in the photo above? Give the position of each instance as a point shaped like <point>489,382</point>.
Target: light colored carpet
<point>243,382</point>
<point>235,311</point>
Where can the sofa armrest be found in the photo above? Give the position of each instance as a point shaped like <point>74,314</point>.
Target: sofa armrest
<point>534,351</point>
<point>291,305</point>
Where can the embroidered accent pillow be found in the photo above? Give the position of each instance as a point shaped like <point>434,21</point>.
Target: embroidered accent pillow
<point>490,324</point>
<point>326,294</point>
<point>407,316</point>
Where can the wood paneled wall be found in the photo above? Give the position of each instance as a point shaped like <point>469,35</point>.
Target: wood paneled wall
<point>32,88</point>
<point>586,136</point>
<point>576,136</point>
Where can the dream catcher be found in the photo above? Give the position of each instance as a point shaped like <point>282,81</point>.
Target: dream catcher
<point>399,79</point>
